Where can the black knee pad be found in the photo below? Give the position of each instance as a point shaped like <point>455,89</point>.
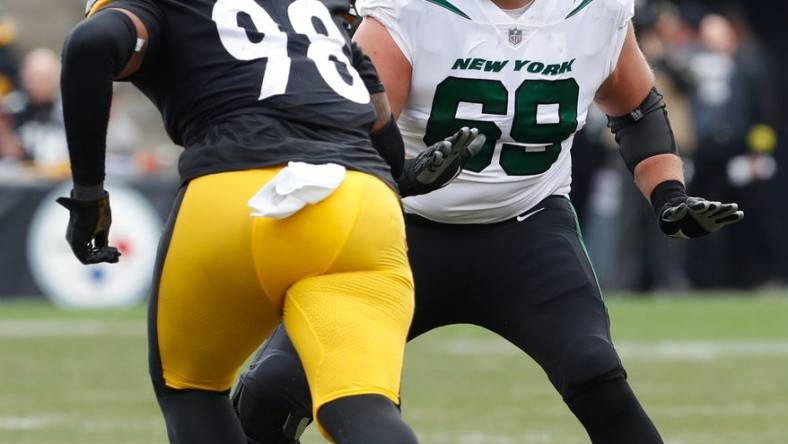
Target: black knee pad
<point>588,362</point>
<point>272,400</point>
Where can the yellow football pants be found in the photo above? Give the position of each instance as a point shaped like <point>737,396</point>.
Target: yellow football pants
<point>336,271</point>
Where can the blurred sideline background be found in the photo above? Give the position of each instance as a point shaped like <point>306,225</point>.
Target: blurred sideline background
<point>721,65</point>
<point>701,325</point>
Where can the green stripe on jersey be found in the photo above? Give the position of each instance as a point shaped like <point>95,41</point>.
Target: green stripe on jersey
<point>579,7</point>
<point>447,5</point>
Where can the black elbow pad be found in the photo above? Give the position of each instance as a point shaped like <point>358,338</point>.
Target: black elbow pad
<point>109,36</point>
<point>388,142</point>
<point>645,132</point>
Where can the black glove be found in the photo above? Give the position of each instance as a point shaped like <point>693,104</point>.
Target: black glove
<point>439,164</point>
<point>685,217</point>
<point>88,229</point>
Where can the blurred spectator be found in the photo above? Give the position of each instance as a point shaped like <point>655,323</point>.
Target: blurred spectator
<point>31,124</point>
<point>37,111</point>
<point>729,91</point>
<point>715,100</point>
<point>752,171</point>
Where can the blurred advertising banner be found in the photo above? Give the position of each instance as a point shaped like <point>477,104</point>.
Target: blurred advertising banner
<point>36,261</point>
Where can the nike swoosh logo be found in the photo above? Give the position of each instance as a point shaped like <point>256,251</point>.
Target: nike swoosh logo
<point>526,216</point>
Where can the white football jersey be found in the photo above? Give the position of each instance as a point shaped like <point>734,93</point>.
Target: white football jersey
<point>526,83</point>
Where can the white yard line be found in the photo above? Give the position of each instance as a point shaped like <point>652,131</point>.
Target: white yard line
<point>679,350</point>
<point>64,328</point>
<point>702,350</point>
<point>27,422</point>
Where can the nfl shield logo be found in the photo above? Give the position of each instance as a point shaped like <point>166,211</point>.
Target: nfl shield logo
<point>515,36</point>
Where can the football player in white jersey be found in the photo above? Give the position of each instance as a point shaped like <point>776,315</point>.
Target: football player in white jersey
<point>500,246</point>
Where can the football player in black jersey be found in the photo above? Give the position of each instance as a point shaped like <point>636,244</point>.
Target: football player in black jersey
<point>247,86</point>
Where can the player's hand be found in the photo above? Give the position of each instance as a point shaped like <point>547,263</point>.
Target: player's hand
<point>695,217</point>
<point>439,164</point>
<point>88,228</point>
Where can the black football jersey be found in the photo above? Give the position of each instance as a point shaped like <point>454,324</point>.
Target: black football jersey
<point>252,83</point>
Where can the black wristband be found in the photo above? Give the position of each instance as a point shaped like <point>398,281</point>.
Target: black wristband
<point>668,192</point>
<point>94,192</point>
<point>406,182</point>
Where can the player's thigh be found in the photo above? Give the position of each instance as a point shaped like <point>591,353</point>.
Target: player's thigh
<point>209,312</point>
<point>350,324</point>
<point>443,259</point>
<point>543,291</point>
<point>350,332</point>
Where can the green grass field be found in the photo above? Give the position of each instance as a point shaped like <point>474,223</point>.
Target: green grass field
<point>709,369</point>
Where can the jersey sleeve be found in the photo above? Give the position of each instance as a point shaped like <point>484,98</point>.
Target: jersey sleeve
<point>625,15</point>
<point>366,69</point>
<point>389,13</point>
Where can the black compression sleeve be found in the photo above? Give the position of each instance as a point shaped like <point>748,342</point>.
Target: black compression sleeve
<point>95,51</point>
<point>364,66</point>
<point>388,142</point>
<point>645,132</point>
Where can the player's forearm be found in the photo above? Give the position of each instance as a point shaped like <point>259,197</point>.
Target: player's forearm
<point>657,169</point>
<point>93,54</point>
<point>382,111</point>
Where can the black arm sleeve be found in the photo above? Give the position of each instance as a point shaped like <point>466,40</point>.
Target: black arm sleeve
<point>645,132</point>
<point>388,142</point>
<point>93,54</point>
<point>364,66</point>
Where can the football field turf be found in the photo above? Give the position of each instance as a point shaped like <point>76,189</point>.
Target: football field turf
<point>710,370</point>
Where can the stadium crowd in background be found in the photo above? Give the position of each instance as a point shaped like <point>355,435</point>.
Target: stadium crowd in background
<point>32,134</point>
<point>721,91</point>
<point>718,82</point>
